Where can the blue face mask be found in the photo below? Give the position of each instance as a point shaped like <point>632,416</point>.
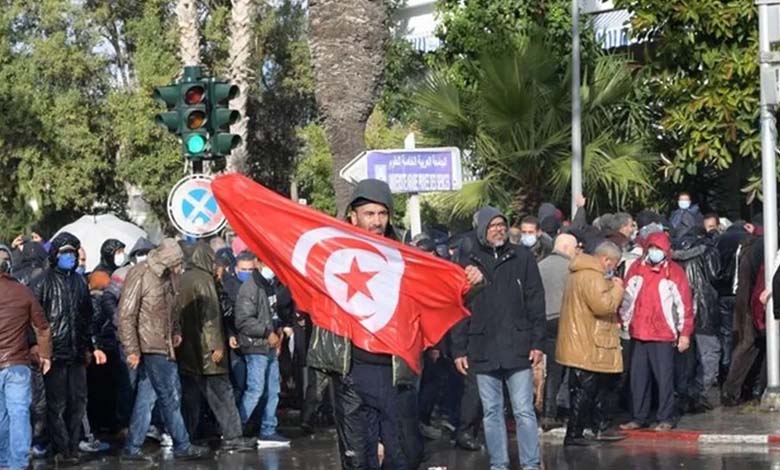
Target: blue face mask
<point>610,274</point>
<point>81,270</point>
<point>684,204</point>
<point>66,261</point>
<point>243,276</point>
<point>655,255</point>
<point>528,240</point>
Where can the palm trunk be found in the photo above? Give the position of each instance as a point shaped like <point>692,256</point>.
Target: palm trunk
<point>241,21</point>
<point>189,32</point>
<point>347,39</point>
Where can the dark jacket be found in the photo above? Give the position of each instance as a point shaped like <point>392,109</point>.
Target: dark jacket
<point>727,244</point>
<point>508,314</point>
<point>252,316</point>
<point>103,326</point>
<point>19,311</point>
<point>200,317</point>
<point>66,302</point>
<point>701,262</point>
<point>107,251</point>
<point>229,286</point>
<point>690,217</point>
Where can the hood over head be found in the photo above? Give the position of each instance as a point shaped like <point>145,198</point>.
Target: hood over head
<point>165,256</point>
<point>224,257</point>
<point>547,209</point>
<point>141,248</point>
<point>107,251</point>
<point>372,190</point>
<point>661,240</point>
<point>34,255</point>
<point>62,241</point>
<point>483,217</point>
<point>203,257</point>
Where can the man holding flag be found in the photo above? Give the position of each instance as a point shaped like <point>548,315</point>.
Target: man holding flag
<point>374,302</point>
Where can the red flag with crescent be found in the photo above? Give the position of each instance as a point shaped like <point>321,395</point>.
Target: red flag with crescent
<point>384,296</point>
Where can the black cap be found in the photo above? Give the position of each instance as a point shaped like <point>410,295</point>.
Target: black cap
<point>372,191</point>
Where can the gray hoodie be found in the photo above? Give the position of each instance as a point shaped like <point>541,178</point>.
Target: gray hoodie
<point>483,218</point>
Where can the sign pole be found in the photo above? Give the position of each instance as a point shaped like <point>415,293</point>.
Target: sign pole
<point>771,398</point>
<point>413,204</point>
<point>576,108</point>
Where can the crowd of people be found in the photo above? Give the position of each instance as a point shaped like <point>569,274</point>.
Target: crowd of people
<point>621,323</point>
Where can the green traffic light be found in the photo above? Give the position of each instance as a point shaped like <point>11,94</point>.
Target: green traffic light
<point>196,143</point>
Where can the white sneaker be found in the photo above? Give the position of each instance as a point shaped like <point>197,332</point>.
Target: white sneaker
<point>94,446</point>
<point>153,433</point>
<point>166,440</point>
<point>272,441</point>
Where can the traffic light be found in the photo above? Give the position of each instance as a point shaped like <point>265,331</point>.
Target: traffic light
<point>193,116</point>
<point>197,111</point>
<point>221,117</point>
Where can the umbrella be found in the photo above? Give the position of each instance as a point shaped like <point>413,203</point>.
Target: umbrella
<point>93,230</point>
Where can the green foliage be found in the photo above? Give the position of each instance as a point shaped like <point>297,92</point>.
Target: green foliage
<point>472,28</point>
<point>516,126</point>
<point>702,75</point>
<point>314,171</point>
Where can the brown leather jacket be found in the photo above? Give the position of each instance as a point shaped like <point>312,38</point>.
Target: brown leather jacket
<point>19,311</point>
<point>147,320</point>
<point>588,329</point>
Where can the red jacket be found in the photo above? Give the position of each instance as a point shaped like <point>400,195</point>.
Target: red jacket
<point>657,305</point>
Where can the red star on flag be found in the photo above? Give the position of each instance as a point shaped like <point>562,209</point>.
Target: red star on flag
<point>357,280</point>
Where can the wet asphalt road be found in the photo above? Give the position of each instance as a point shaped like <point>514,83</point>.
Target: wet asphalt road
<point>320,453</point>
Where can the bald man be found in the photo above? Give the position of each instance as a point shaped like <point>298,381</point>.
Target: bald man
<point>554,271</point>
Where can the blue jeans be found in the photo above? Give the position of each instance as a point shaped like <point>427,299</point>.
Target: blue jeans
<point>521,394</point>
<point>15,428</point>
<point>262,375</point>
<point>158,377</point>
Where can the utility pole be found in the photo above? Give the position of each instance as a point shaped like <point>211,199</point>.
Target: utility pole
<point>576,108</point>
<point>769,32</point>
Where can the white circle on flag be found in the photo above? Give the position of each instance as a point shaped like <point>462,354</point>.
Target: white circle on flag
<point>193,209</point>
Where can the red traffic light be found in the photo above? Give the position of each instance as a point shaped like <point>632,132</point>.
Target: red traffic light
<point>194,95</point>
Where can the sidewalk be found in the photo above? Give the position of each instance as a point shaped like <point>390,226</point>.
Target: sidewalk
<point>745,424</point>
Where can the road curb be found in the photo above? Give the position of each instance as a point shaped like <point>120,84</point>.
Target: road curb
<point>772,440</point>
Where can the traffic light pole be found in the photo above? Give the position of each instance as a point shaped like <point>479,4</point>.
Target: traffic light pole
<point>771,398</point>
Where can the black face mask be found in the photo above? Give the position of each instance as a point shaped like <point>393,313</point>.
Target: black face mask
<point>5,266</point>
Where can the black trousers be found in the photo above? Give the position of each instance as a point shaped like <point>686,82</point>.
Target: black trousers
<point>318,382</point>
<point>370,410</point>
<point>220,398</point>
<point>66,403</point>
<point>555,371</point>
<point>470,406</point>
<point>588,401</point>
<point>652,360</point>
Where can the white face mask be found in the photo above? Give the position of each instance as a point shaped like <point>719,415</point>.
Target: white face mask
<point>529,240</point>
<point>267,273</point>
<point>119,259</point>
<point>140,259</point>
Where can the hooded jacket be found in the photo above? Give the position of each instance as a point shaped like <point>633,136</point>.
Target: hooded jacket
<point>657,305</point>
<point>200,317</point>
<point>701,263</point>
<point>32,263</point>
<point>588,331</point>
<point>507,315</point>
<point>141,248</point>
<point>334,353</point>
<point>64,297</point>
<point>147,320</point>
<point>107,252</point>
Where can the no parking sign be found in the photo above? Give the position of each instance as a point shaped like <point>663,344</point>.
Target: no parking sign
<point>193,209</point>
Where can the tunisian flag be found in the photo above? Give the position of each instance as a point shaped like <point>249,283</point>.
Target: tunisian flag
<point>384,296</point>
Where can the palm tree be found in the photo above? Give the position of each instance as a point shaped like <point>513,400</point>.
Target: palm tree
<point>347,39</point>
<point>189,31</point>
<point>242,18</point>
<point>516,127</point>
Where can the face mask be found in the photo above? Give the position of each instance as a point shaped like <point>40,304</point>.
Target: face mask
<point>633,235</point>
<point>684,204</point>
<point>610,273</point>
<point>5,266</point>
<point>244,276</point>
<point>140,259</point>
<point>66,261</point>
<point>119,260</point>
<point>528,240</point>
<point>655,255</point>
<point>81,270</point>
<point>267,273</point>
